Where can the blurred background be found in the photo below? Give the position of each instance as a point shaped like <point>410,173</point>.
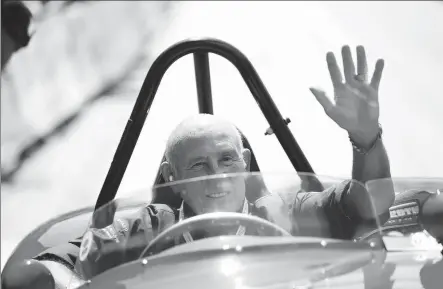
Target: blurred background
<point>66,96</point>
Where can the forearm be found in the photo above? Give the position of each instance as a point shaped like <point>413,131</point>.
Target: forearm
<point>374,165</point>
<point>378,195</point>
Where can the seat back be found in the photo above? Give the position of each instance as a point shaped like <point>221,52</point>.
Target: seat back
<point>255,187</point>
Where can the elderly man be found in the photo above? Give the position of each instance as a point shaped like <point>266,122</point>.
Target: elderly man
<point>205,145</point>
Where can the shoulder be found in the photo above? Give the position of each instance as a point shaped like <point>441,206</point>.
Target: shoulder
<point>273,208</point>
<point>155,217</point>
<point>145,213</point>
<point>301,200</point>
<point>159,211</point>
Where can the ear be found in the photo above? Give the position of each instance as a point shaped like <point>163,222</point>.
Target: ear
<point>247,159</point>
<point>166,171</point>
<point>168,175</point>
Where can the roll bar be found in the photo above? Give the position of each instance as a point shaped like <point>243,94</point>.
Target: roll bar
<point>200,48</point>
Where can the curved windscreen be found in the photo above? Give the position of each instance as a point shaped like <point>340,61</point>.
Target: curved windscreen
<point>215,215</point>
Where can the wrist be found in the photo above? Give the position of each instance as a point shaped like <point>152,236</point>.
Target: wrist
<point>365,142</point>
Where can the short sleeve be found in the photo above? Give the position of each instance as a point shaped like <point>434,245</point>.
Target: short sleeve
<point>121,242</point>
<point>323,214</point>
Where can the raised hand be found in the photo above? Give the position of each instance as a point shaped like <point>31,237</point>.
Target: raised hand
<point>355,107</point>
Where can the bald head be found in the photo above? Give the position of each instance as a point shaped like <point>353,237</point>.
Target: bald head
<point>197,127</point>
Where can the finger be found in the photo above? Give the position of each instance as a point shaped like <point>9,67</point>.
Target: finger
<point>321,97</point>
<point>334,70</point>
<point>376,77</point>
<point>348,64</point>
<point>362,65</point>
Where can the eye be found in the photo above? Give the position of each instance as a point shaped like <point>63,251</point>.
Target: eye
<point>227,160</point>
<point>197,166</point>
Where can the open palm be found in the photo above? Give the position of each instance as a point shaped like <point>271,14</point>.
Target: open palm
<point>355,107</point>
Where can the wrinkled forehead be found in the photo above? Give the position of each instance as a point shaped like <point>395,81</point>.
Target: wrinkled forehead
<point>213,140</point>
<point>207,143</point>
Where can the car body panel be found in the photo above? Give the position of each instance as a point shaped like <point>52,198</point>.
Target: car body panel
<point>59,230</point>
<point>407,263</point>
<point>263,263</point>
<point>73,224</point>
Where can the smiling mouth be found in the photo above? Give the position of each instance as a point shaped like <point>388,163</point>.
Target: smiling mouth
<point>217,195</point>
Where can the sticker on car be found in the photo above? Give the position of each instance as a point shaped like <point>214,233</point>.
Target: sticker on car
<point>85,247</point>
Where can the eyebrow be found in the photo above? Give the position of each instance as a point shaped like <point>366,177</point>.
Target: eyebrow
<point>223,152</point>
<point>194,160</point>
<point>230,151</point>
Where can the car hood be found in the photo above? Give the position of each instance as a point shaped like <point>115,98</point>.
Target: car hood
<point>282,263</point>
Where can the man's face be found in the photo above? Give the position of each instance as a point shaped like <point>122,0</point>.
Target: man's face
<point>211,153</point>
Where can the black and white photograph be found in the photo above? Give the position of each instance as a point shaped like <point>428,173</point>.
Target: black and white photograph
<point>221,144</point>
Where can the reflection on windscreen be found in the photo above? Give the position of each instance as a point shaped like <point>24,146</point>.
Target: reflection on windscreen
<point>242,204</point>
<point>401,240</point>
<point>250,214</point>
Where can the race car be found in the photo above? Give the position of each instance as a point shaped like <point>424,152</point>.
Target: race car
<point>403,252</point>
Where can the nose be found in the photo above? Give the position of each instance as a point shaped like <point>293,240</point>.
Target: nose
<point>214,168</point>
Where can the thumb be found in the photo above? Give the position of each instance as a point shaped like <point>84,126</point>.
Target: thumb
<point>321,97</point>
